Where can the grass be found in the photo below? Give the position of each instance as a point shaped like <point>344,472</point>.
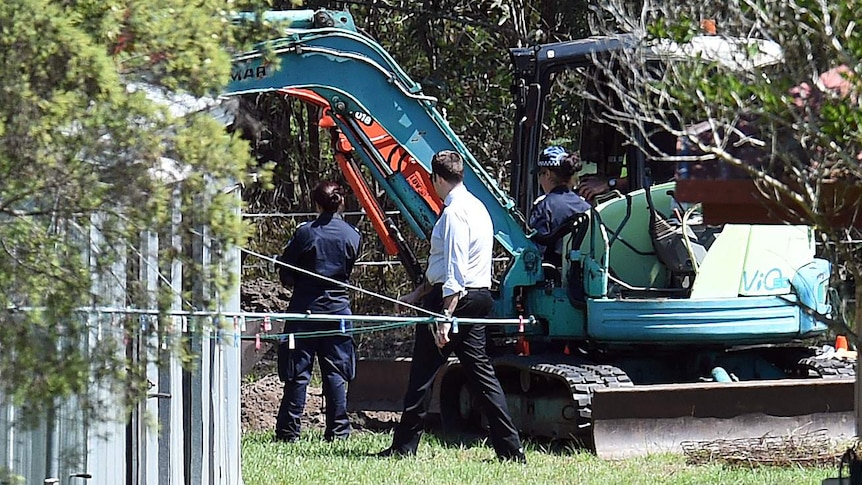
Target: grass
<point>313,461</point>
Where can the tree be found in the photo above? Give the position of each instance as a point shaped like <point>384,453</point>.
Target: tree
<point>787,118</point>
<point>88,145</point>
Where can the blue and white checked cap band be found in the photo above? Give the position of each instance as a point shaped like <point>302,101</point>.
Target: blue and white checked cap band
<point>552,156</point>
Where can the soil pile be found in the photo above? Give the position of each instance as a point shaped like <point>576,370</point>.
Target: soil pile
<point>261,390</point>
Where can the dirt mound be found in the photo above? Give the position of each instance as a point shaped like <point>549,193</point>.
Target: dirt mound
<point>260,400</point>
<point>262,295</point>
<point>261,395</point>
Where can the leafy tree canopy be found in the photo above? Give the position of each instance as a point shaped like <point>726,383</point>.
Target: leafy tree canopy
<point>91,154</point>
<point>788,117</point>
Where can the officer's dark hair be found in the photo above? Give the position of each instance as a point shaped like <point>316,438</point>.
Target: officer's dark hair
<point>328,195</point>
<point>569,166</point>
<point>449,165</point>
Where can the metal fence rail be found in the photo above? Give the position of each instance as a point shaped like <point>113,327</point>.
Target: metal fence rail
<point>188,429</point>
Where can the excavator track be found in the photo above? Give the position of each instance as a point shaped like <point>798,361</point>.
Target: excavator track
<point>828,367</point>
<point>552,397</point>
<point>582,381</point>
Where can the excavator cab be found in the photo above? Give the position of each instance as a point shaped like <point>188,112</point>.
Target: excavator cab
<point>565,96</point>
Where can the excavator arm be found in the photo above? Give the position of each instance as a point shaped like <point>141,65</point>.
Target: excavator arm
<point>368,92</point>
<point>393,241</point>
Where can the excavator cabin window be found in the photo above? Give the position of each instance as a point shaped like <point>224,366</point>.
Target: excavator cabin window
<point>588,100</point>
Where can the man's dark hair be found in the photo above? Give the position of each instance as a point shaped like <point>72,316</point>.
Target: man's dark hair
<point>328,195</point>
<point>449,165</point>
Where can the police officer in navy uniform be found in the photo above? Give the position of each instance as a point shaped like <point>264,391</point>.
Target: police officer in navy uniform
<point>556,170</point>
<point>327,246</point>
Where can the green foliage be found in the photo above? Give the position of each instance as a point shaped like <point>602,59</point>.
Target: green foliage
<point>90,153</point>
<point>814,38</point>
<point>792,124</point>
<point>680,30</point>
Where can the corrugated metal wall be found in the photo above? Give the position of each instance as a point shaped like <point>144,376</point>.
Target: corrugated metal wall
<point>197,437</point>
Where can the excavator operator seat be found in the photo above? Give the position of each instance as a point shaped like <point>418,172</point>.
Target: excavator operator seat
<point>576,226</point>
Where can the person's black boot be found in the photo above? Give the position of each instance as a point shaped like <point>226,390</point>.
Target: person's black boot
<point>393,453</point>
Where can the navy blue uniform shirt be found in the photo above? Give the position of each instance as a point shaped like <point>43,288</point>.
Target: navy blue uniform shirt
<point>549,211</point>
<point>327,246</point>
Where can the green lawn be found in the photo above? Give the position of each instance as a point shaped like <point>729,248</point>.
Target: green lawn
<point>313,461</point>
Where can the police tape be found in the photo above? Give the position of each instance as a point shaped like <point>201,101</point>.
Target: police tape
<point>232,327</point>
<point>390,323</point>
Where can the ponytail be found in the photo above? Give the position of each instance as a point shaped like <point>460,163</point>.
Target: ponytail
<point>328,195</point>
<point>569,165</point>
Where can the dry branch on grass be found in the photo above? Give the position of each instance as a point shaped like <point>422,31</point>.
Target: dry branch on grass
<point>815,448</point>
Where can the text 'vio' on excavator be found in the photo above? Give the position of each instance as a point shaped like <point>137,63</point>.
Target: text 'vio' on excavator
<point>656,330</point>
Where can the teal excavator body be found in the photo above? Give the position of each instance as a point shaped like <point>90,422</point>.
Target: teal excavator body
<point>361,82</point>
<point>616,311</point>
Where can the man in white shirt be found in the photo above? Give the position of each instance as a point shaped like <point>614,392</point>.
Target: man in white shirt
<point>457,283</point>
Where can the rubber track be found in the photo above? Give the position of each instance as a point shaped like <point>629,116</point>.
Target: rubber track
<point>582,380</point>
<point>829,368</point>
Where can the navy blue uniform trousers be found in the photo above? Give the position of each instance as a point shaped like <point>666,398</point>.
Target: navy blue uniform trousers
<point>469,346</point>
<point>337,361</point>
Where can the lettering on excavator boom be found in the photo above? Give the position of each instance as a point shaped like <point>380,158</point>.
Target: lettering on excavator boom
<point>363,118</point>
<point>258,72</point>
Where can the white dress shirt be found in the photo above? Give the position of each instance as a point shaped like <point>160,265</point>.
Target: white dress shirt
<point>462,244</point>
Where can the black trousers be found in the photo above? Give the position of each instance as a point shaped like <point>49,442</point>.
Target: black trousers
<point>469,346</point>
